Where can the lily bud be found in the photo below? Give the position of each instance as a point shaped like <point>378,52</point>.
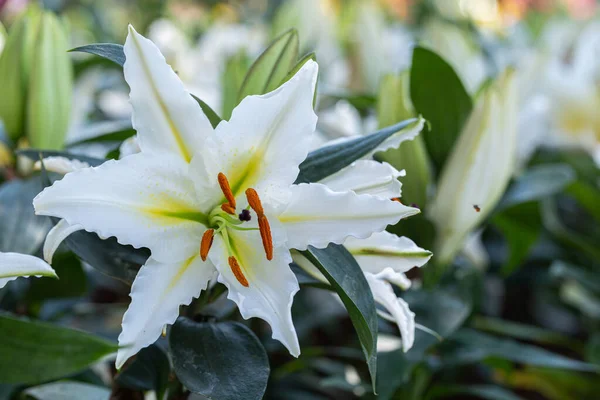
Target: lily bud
<point>479,167</point>
<point>36,77</point>
<point>393,106</point>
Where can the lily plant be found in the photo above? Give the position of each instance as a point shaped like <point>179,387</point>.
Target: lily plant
<point>212,203</point>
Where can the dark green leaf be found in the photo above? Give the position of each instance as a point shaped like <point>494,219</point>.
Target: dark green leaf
<point>347,279</point>
<point>35,352</point>
<point>440,97</point>
<point>149,371</point>
<point>563,270</point>
<point>330,159</point>
<point>364,103</point>
<point>111,131</point>
<point>224,361</point>
<point>110,51</point>
<point>472,346</point>
<point>68,391</point>
<point>212,116</point>
<point>71,283</point>
<point>487,392</point>
<point>272,66</point>
<point>538,183</point>
<point>21,230</point>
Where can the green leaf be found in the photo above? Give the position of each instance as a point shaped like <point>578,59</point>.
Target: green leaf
<point>110,131</point>
<point>21,231</point>
<point>521,226</point>
<point>487,392</point>
<point>587,196</point>
<point>35,352</point>
<point>149,371</point>
<point>471,346</point>
<point>68,391</point>
<point>538,183</point>
<point>224,361</point>
<point>330,159</point>
<point>212,116</point>
<point>232,80</point>
<point>364,103</point>
<point>440,97</point>
<point>110,51</point>
<point>72,280</point>
<point>564,270</point>
<point>347,279</point>
<point>272,66</point>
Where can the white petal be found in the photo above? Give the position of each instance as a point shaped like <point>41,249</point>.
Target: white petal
<point>367,177</point>
<point>156,294</point>
<point>144,201</point>
<point>129,146</point>
<point>271,284</point>
<point>265,140</point>
<point>165,115</point>
<point>395,278</point>
<point>14,265</point>
<point>60,165</point>
<point>56,236</point>
<point>318,216</point>
<point>385,250</point>
<point>394,141</point>
<point>397,308</point>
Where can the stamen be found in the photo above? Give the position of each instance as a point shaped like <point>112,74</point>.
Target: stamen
<point>224,183</point>
<point>237,271</point>
<point>397,199</point>
<point>254,201</point>
<point>228,208</point>
<point>265,235</point>
<point>206,243</point>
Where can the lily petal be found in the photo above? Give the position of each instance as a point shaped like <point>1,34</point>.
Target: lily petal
<point>165,115</point>
<point>60,165</point>
<point>318,216</point>
<point>119,197</point>
<point>397,308</point>
<point>385,250</point>
<point>14,265</point>
<point>367,177</point>
<point>394,141</point>
<point>56,236</point>
<point>156,294</point>
<point>396,278</point>
<point>265,140</point>
<point>271,284</point>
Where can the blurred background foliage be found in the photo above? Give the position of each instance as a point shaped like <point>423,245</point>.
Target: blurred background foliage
<point>517,304</point>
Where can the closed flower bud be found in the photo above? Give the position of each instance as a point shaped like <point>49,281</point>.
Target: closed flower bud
<point>479,167</point>
<point>36,77</point>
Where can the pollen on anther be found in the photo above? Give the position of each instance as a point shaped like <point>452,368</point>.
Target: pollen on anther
<point>206,243</point>
<point>266,236</point>
<point>237,271</point>
<point>228,208</point>
<point>254,201</point>
<point>226,189</point>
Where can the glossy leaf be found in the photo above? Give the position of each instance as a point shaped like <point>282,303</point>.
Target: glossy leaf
<point>212,116</point>
<point>111,131</point>
<point>68,391</point>
<point>486,392</point>
<point>538,183</point>
<point>330,159</point>
<point>438,94</point>
<point>35,352</point>
<point>149,371</point>
<point>272,66</point>
<point>348,281</point>
<point>110,51</point>
<point>224,361</point>
<point>471,346</point>
<point>21,231</point>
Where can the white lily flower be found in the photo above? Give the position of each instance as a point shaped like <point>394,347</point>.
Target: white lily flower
<point>181,195</point>
<point>14,265</point>
<point>479,167</point>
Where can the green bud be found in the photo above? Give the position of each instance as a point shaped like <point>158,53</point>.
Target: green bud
<point>393,106</point>
<point>51,76</point>
<point>36,77</point>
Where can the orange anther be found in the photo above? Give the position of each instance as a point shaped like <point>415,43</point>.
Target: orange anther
<point>228,208</point>
<point>397,199</point>
<point>265,235</point>
<point>254,201</point>
<point>206,243</point>
<point>224,183</point>
<point>237,271</point>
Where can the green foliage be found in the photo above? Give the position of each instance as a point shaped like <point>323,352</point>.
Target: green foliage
<point>39,352</point>
<point>219,360</point>
<point>149,371</point>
